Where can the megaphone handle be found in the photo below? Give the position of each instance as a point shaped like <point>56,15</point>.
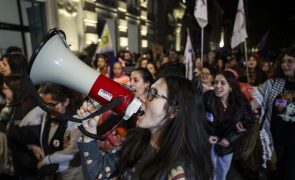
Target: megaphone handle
<point>30,89</point>
<point>108,125</point>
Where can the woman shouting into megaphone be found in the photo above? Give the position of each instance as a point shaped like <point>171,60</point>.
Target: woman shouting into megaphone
<point>169,142</point>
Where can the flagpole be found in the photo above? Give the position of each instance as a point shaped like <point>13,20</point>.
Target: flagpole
<point>246,56</point>
<point>202,47</point>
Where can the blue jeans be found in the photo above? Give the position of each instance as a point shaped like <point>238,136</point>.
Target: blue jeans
<point>221,164</point>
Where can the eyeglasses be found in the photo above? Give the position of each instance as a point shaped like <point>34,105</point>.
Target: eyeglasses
<point>151,93</point>
<point>51,105</point>
<point>288,61</point>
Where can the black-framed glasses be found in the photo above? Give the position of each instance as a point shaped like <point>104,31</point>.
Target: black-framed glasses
<point>151,93</point>
<point>288,61</point>
<point>52,105</point>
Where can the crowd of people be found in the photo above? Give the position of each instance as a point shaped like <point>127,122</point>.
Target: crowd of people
<point>189,129</point>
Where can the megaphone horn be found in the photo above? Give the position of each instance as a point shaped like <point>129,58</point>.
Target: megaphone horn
<point>52,61</point>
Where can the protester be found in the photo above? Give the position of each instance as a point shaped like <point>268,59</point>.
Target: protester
<point>274,98</point>
<point>13,64</point>
<point>140,80</point>
<point>207,77</point>
<point>170,141</point>
<point>152,68</point>
<point>17,105</point>
<point>101,65</point>
<point>227,110</point>
<point>119,75</point>
<point>56,152</point>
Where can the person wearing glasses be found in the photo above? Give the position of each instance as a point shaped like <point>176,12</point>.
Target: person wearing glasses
<point>169,142</point>
<point>274,98</point>
<point>140,79</point>
<point>57,152</point>
<point>207,77</point>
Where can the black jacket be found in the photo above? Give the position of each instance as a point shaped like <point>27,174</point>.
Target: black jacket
<point>24,161</point>
<point>227,129</point>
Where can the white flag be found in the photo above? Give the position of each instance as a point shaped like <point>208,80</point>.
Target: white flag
<point>188,58</point>
<point>239,32</point>
<point>201,13</point>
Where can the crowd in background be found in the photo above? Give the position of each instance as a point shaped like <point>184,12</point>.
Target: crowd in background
<point>244,102</point>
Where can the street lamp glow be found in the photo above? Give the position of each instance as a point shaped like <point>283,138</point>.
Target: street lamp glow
<point>221,44</point>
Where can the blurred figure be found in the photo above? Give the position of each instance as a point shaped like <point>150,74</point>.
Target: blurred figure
<point>165,59</point>
<point>198,68</point>
<point>158,63</point>
<point>207,77</point>
<point>266,67</point>
<point>174,66</point>
<point>211,57</point>
<point>256,76</point>
<point>101,65</point>
<point>142,62</point>
<point>119,75</point>
<point>220,65</point>
<point>152,68</point>
<point>129,62</point>
<point>13,64</point>
<point>17,105</point>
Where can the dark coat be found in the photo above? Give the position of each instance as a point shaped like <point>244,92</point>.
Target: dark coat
<point>227,129</point>
<point>24,161</point>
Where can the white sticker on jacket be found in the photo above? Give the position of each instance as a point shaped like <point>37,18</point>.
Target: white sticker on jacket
<point>209,116</point>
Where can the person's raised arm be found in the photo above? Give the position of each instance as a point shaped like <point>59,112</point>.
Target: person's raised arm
<point>94,164</point>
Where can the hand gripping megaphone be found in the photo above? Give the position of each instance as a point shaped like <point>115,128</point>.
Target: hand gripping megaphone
<point>52,61</point>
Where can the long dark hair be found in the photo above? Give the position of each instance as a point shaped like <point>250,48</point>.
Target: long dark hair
<point>236,98</point>
<point>13,81</point>
<point>182,138</point>
<point>61,93</point>
<point>145,74</point>
<point>17,62</point>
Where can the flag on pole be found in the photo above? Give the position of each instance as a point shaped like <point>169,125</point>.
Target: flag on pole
<point>239,32</point>
<point>188,58</point>
<point>263,41</point>
<point>201,13</point>
<point>105,45</point>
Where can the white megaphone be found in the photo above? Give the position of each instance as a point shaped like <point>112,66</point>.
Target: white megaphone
<point>52,61</point>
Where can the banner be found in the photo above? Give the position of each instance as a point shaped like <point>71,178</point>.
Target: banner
<point>105,44</point>
<point>201,13</point>
<point>239,32</point>
<point>188,58</point>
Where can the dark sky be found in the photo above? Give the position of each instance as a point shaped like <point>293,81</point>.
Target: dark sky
<point>273,17</point>
<point>277,18</point>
